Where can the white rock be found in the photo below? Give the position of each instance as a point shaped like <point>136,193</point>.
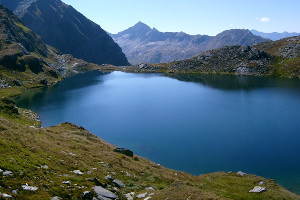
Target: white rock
<point>261,183</point>
<point>149,188</point>
<point>147,198</point>
<point>8,173</point>
<point>1,170</point>
<point>29,188</point>
<point>78,172</point>
<point>258,189</point>
<point>56,198</point>
<point>45,167</point>
<point>6,195</point>
<point>143,195</point>
<point>241,173</point>
<point>128,196</point>
<point>66,182</point>
<point>15,192</point>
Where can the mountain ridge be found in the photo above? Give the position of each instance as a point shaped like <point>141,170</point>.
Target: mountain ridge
<point>64,28</point>
<point>274,35</point>
<point>143,44</point>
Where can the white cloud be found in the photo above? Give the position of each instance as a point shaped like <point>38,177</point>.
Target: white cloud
<point>264,19</point>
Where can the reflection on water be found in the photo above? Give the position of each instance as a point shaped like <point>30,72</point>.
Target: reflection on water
<point>232,82</point>
<point>39,97</point>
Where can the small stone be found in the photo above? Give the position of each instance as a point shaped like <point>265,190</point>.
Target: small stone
<point>45,167</point>
<point>66,182</point>
<point>261,183</point>
<point>6,195</point>
<point>143,195</point>
<point>56,198</point>
<point>108,177</point>
<point>258,189</point>
<point>149,188</point>
<point>29,188</point>
<point>15,192</point>
<point>241,173</point>
<point>8,173</point>
<point>87,195</point>
<point>128,196</point>
<point>119,183</point>
<point>100,191</point>
<point>128,174</point>
<point>78,172</point>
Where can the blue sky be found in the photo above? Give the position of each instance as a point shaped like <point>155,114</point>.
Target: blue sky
<point>193,16</point>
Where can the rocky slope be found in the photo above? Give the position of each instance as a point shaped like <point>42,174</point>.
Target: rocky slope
<point>278,58</point>
<point>274,36</point>
<point>141,44</point>
<point>26,62</point>
<point>64,28</point>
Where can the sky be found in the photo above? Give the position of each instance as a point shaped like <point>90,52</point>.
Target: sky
<point>208,17</point>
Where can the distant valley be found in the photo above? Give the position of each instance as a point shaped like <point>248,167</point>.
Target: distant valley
<point>143,44</point>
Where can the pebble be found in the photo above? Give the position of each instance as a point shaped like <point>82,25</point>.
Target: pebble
<point>149,188</point>
<point>8,173</point>
<point>241,173</point>
<point>29,188</point>
<point>119,183</point>
<point>258,189</point>
<point>143,195</point>
<point>261,183</point>
<point>56,198</point>
<point>78,172</point>
<point>66,182</point>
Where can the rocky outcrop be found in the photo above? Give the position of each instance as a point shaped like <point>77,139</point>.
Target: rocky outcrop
<point>64,28</point>
<point>279,58</point>
<point>142,44</point>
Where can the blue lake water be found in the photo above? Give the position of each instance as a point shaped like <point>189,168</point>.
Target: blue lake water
<point>193,123</point>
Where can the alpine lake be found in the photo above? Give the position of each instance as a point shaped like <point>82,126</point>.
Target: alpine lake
<point>193,123</point>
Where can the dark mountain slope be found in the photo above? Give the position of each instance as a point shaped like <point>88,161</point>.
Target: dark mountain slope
<point>142,44</point>
<point>26,62</point>
<point>66,29</point>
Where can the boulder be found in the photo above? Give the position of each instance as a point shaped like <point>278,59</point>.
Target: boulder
<point>118,183</point>
<point>258,189</point>
<point>101,192</point>
<point>124,151</point>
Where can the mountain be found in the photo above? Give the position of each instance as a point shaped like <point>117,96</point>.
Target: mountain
<point>274,36</point>
<point>276,58</point>
<point>26,62</point>
<point>143,44</point>
<point>64,28</point>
